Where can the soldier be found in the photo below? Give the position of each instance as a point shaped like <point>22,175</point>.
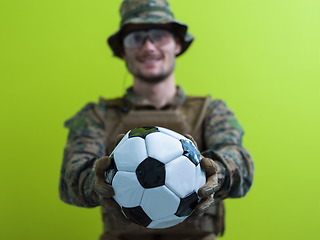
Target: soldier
<point>149,40</point>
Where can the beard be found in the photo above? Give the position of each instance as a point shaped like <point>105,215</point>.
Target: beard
<point>155,79</point>
<point>161,76</point>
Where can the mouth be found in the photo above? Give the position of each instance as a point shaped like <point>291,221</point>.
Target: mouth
<point>149,59</point>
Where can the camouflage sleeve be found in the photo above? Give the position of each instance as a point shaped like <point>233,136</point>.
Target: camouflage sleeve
<point>223,137</point>
<point>86,143</point>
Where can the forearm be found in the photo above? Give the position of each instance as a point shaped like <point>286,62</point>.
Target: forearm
<point>223,135</point>
<point>86,143</point>
<point>76,176</point>
<point>235,171</point>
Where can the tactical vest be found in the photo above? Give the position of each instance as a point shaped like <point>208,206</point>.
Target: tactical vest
<point>184,119</point>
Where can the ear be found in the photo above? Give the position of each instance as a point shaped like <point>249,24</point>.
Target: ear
<point>178,47</point>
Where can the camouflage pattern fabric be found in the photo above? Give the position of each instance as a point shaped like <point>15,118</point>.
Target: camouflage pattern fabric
<point>87,141</point>
<point>148,12</point>
<point>223,137</point>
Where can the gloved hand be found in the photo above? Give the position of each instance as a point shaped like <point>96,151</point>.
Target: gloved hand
<point>108,236</point>
<point>206,192</point>
<point>105,191</point>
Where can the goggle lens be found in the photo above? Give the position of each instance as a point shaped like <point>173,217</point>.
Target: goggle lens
<point>158,37</point>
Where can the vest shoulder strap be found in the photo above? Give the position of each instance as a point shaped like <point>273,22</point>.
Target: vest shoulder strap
<point>114,102</point>
<point>202,103</point>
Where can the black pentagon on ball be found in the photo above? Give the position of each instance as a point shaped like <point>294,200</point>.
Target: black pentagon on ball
<point>190,151</point>
<point>142,132</point>
<point>137,216</point>
<point>111,171</point>
<point>187,205</point>
<point>151,173</point>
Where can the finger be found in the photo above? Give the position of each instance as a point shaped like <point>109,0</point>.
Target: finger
<point>206,190</point>
<point>209,166</point>
<point>113,207</point>
<point>104,190</point>
<point>101,166</point>
<point>212,181</point>
<point>193,217</point>
<point>101,187</point>
<point>203,205</point>
<point>110,205</point>
<point>120,218</point>
<point>109,237</point>
<point>192,139</point>
<point>209,188</point>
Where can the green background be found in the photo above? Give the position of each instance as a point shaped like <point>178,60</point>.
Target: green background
<point>261,57</point>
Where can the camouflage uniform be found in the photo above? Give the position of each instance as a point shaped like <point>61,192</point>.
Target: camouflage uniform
<point>93,131</point>
<point>220,138</point>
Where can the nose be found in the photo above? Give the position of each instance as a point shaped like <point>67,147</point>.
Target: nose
<point>148,44</point>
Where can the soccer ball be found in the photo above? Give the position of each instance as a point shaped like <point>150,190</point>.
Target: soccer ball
<point>155,174</point>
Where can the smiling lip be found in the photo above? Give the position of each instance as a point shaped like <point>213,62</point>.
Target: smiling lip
<point>148,58</point>
<point>149,61</point>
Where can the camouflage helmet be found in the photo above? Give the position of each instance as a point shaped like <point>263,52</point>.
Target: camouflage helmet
<point>148,12</point>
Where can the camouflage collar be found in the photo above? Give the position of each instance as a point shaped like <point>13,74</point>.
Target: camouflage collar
<point>135,100</point>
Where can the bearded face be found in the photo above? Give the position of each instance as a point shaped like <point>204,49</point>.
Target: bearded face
<point>152,62</point>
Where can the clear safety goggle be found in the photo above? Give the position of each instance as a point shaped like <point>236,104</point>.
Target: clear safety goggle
<point>158,37</point>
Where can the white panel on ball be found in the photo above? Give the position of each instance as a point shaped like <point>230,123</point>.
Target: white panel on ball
<point>128,195</point>
<point>130,154</point>
<point>200,178</point>
<point>180,176</point>
<point>166,222</point>
<point>159,202</point>
<point>171,133</point>
<point>163,147</point>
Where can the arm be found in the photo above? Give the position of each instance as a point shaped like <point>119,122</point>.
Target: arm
<point>86,143</point>
<point>223,137</point>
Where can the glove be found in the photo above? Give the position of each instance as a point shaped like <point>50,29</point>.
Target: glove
<point>105,192</point>
<point>107,236</point>
<point>206,192</point>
